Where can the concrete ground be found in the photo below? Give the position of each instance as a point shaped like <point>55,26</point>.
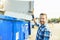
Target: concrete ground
<point>55,32</point>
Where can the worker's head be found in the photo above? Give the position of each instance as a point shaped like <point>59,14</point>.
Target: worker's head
<point>43,18</point>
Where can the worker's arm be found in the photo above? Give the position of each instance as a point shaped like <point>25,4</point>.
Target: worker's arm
<point>34,20</point>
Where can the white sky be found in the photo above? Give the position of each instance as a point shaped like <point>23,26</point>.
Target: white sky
<point>51,7</point>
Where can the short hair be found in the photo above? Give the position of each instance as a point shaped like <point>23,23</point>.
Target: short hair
<point>44,14</point>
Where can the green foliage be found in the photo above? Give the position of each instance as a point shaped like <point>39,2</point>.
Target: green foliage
<point>54,20</point>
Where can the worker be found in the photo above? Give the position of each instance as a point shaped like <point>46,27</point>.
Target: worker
<point>43,32</point>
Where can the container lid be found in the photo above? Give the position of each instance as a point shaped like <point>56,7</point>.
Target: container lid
<point>3,17</point>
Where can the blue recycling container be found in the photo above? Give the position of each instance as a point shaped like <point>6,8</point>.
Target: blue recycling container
<point>26,30</point>
<point>29,28</point>
<point>6,27</point>
<point>13,29</point>
<point>20,30</point>
<point>5,30</point>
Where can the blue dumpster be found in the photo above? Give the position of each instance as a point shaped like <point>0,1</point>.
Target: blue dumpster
<point>26,30</point>
<point>29,27</point>
<point>20,30</point>
<point>13,29</point>
<point>6,30</point>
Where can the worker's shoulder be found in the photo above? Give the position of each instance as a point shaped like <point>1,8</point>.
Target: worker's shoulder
<point>47,28</point>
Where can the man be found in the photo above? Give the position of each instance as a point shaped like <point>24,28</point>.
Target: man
<point>43,32</point>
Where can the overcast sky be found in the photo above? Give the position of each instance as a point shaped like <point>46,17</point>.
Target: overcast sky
<point>51,7</point>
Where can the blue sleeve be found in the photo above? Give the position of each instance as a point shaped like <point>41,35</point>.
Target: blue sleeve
<point>46,35</point>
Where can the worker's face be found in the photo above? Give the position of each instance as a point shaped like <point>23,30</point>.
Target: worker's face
<point>43,19</point>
